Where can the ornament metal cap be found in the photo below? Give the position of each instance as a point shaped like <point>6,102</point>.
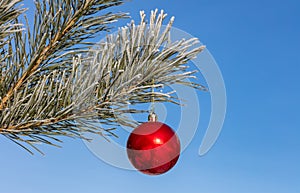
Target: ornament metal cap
<point>152,117</point>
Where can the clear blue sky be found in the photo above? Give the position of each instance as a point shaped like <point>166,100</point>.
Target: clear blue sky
<point>256,44</point>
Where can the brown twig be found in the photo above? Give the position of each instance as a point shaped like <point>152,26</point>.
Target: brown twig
<point>47,51</point>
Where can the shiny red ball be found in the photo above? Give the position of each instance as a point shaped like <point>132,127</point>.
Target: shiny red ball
<point>153,148</point>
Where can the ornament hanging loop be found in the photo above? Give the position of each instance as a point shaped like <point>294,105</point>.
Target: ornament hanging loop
<point>152,117</point>
<point>152,110</point>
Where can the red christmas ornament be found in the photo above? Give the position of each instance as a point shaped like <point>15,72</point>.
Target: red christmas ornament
<point>153,147</point>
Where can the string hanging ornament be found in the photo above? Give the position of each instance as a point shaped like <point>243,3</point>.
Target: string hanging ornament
<point>153,147</point>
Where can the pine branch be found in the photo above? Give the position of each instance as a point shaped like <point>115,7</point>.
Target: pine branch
<point>59,25</point>
<point>8,15</point>
<point>57,91</point>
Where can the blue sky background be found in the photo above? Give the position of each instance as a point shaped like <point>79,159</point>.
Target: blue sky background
<point>256,44</point>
